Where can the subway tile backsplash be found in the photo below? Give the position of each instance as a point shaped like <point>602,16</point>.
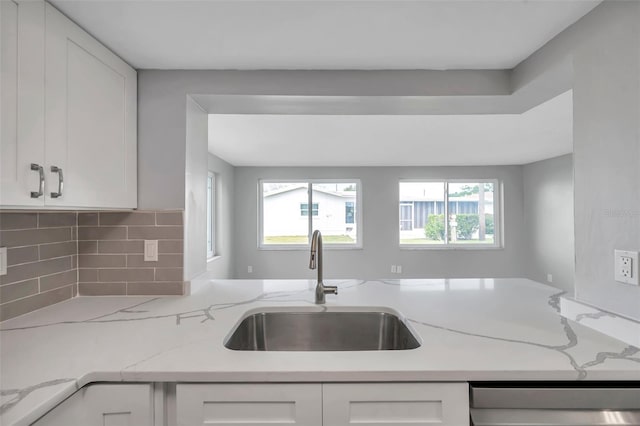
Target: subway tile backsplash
<point>53,256</point>
<point>111,253</point>
<point>41,261</point>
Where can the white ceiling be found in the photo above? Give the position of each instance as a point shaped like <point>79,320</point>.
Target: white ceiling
<point>394,140</point>
<point>306,34</point>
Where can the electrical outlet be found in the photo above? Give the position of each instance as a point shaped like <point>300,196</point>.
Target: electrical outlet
<point>549,278</point>
<point>3,261</point>
<point>150,250</point>
<point>394,268</point>
<point>626,266</point>
<point>250,269</point>
<point>399,269</point>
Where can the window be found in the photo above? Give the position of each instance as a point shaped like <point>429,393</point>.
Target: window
<point>211,199</point>
<point>450,213</point>
<point>349,212</point>
<point>304,209</point>
<point>285,221</point>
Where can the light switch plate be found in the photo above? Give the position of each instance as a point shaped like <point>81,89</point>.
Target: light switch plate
<point>3,261</point>
<point>150,250</point>
<point>626,266</point>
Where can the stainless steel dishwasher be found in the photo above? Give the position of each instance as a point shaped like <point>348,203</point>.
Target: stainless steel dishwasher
<point>555,404</point>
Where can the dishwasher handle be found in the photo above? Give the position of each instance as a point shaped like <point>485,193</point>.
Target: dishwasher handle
<point>552,417</point>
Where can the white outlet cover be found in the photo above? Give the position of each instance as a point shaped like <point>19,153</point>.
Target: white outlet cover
<point>150,250</point>
<point>619,267</point>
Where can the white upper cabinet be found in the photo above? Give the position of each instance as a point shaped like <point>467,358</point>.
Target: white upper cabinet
<point>22,98</point>
<point>71,105</point>
<point>91,119</point>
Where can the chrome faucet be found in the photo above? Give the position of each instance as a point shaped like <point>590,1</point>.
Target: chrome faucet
<point>315,262</point>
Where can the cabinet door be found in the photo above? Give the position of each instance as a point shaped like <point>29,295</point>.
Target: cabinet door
<point>260,404</point>
<point>22,102</point>
<point>91,110</point>
<point>104,405</point>
<point>378,404</point>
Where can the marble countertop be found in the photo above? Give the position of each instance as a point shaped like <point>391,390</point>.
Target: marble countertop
<point>470,329</point>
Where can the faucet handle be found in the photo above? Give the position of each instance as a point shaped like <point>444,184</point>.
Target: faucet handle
<point>330,289</point>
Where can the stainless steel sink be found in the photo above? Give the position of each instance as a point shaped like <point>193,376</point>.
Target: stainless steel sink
<point>321,331</point>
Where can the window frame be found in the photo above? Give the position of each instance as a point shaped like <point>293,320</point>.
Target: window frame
<point>498,215</point>
<point>327,246</point>
<point>211,217</point>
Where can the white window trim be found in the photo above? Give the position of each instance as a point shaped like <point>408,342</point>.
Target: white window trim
<point>498,216</point>
<point>326,246</point>
<point>211,196</point>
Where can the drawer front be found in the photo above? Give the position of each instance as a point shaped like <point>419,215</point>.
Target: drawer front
<point>249,404</point>
<point>377,404</point>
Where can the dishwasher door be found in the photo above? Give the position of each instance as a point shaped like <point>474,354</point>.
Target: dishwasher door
<point>555,406</point>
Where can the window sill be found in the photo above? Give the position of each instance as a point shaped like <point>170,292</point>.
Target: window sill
<point>448,248</point>
<point>211,259</point>
<point>307,247</point>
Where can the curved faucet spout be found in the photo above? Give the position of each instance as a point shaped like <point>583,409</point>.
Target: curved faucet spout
<point>315,262</point>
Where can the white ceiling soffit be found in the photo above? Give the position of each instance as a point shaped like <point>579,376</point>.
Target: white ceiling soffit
<point>391,34</point>
<point>394,140</point>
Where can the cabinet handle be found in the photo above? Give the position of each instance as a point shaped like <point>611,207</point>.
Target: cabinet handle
<point>40,170</point>
<point>58,170</point>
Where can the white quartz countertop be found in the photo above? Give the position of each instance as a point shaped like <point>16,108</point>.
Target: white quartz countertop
<point>470,330</point>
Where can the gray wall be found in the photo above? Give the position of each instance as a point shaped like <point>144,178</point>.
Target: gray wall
<point>598,56</point>
<point>604,48</point>
<point>548,217</point>
<point>195,191</point>
<point>380,228</point>
<point>162,98</point>
<point>222,266</point>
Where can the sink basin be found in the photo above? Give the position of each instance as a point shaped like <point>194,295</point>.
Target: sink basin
<point>321,331</point>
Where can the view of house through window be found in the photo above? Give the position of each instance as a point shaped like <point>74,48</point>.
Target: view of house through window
<point>448,213</point>
<point>286,219</point>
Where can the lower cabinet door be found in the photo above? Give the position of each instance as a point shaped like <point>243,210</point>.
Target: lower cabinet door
<point>260,404</point>
<point>378,404</point>
<point>104,405</point>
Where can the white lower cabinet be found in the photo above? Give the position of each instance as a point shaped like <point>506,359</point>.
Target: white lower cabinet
<point>328,404</point>
<point>104,405</point>
<point>379,404</point>
<point>264,404</point>
<point>256,404</point>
